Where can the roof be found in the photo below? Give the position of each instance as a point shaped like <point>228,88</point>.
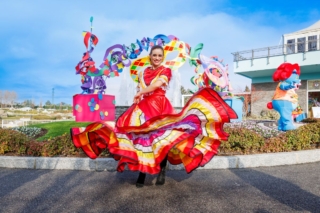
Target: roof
<point>310,28</point>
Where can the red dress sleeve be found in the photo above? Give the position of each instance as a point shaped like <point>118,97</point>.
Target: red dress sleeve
<point>165,75</point>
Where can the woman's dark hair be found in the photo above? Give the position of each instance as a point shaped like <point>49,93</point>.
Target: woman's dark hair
<point>156,47</point>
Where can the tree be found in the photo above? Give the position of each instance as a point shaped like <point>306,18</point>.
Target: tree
<point>12,97</point>
<point>6,97</point>
<point>48,103</point>
<point>185,91</point>
<point>27,103</point>
<point>247,89</point>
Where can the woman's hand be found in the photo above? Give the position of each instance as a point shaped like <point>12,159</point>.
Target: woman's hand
<point>150,88</point>
<point>137,98</point>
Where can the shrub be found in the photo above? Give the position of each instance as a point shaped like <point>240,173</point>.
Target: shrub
<point>19,144</point>
<point>264,131</point>
<point>275,144</point>
<point>4,147</point>
<point>313,130</point>
<point>303,137</point>
<point>41,117</point>
<point>244,138</point>
<point>12,141</point>
<point>57,117</point>
<point>311,120</point>
<point>34,148</point>
<point>298,139</point>
<point>59,146</point>
<point>241,140</point>
<point>270,114</point>
<point>63,146</point>
<point>29,131</point>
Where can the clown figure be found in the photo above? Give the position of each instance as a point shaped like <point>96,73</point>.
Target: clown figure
<point>285,99</point>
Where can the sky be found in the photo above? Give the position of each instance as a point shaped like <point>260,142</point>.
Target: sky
<point>42,40</point>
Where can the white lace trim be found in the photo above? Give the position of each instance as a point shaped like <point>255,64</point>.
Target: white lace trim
<point>162,80</point>
<point>165,86</point>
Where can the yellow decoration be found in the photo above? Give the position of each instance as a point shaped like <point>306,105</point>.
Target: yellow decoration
<point>173,46</point>
<point>120,65</point>
<point>96,107</point>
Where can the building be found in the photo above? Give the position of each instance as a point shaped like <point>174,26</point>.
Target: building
<point>300,47</point>
<point>25,109</point>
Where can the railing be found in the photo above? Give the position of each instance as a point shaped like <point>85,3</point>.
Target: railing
<point>289,48</point>
<point>8,123</point>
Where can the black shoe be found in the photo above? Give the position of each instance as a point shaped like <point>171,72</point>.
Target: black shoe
<point>140,181</point>
<point>161,177</point>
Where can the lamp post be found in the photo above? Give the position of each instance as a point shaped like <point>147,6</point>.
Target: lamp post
<point>53,97</point>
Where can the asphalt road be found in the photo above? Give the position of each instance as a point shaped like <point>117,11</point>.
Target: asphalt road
<point>271,189</point>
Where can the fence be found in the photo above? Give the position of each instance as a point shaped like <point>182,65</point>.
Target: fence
<point>9,123</point>
<point>289,48</point>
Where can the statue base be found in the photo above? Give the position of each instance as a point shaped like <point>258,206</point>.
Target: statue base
<point>94,107</point>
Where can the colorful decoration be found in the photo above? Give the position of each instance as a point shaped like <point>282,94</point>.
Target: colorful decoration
<point>88,107</point>
<point>174,45</point>
<point>285,99</point>
<point>119,56</point>
<point>87,69</point>
<point>215,73</point>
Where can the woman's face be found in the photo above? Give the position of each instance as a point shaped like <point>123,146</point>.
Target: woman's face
<point>156,57</point>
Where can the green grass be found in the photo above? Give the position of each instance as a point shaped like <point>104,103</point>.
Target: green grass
<point>58,128</point>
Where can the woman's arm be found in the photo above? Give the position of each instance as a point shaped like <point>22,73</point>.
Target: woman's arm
<point>151,87</point>
<point>148,89</point>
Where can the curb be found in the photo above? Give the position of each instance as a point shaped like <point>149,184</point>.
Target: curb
<point>109,164</point>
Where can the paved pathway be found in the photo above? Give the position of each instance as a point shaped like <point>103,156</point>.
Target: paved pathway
<point>294,188</point>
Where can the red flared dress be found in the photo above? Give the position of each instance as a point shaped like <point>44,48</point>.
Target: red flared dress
<point>150,130</point>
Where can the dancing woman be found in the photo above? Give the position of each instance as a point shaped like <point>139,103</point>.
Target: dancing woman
<point>152,86</point>
<point>150,132</point>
